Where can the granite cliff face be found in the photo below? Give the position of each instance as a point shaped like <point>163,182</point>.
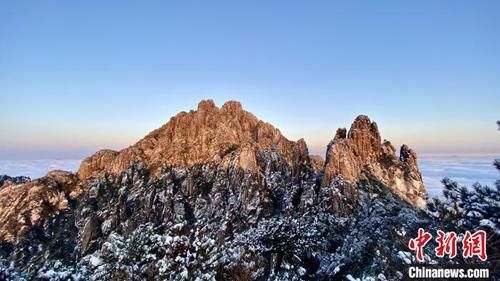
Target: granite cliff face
<point>360,153</point>
<point>214,194</point>
<point>206,135</point>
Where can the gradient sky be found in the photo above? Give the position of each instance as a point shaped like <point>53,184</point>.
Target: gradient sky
<point>77,76</point>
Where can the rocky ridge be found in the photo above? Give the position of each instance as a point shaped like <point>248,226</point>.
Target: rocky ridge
<point>7,180</point>
<point>189,200</point>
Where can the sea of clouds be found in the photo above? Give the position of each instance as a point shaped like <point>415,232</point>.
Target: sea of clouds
<point>36,168</point>
<point>465,170</point>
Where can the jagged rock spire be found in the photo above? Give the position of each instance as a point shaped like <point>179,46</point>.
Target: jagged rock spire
<point>361,152</point>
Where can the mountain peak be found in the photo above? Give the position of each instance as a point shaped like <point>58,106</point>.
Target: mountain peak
<point>205,135</point>
<point>361,153</point>
<point>206,105</point>
<point>232,106</point>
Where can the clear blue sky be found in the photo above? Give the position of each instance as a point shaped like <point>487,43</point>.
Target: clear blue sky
<point>77,76</point>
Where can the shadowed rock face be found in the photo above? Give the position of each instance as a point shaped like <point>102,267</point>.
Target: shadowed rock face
<point>360,154</point>
<point>5,180</point>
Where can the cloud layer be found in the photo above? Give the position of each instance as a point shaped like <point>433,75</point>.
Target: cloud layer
<point>464,170</point>
<point>36,168</point>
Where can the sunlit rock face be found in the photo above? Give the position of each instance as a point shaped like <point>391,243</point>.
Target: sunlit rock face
<point>205,135</point>
<point>317,163</point>
<point>27,205</point>
<point>360,153</point>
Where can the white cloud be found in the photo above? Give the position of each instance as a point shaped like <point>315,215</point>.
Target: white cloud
<point>464,170</point>
<point>36,168</point>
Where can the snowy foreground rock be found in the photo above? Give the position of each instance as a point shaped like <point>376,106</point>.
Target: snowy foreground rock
<point>216,194</point>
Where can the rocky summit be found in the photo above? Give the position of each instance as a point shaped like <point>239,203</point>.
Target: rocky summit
<point>217,194</point>
<point>207,135</point>
<point>360,153</point>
